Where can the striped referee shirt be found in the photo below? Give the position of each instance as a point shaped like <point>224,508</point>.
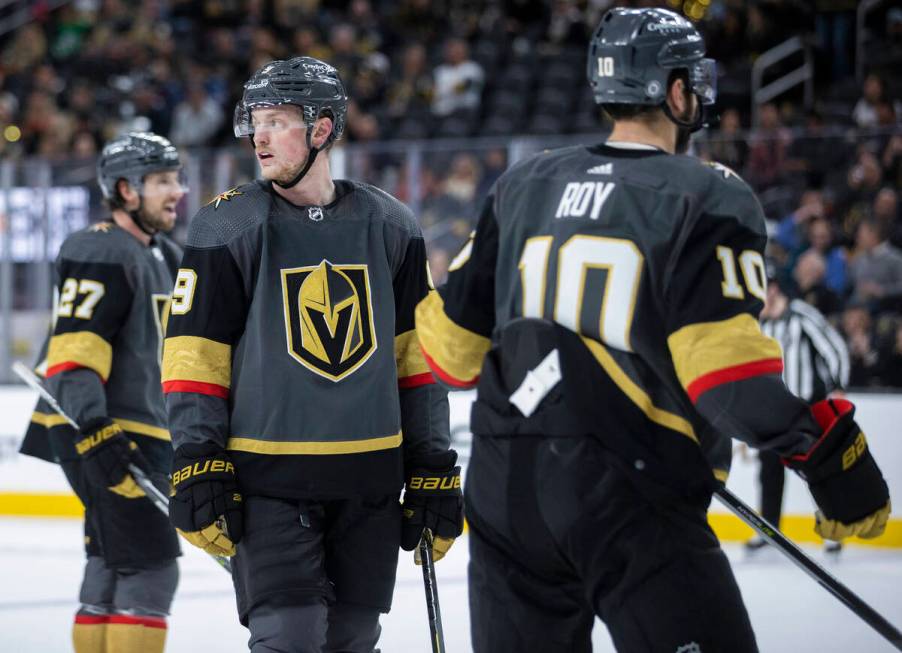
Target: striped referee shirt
<point>815,357</point>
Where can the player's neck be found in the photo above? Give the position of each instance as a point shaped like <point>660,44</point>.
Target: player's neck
<point>637,131</point>
<point>124,221</point>
<point>315,189</point>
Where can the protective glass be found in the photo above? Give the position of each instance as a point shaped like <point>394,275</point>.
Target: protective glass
<point>703,80</point>
<point>266,116</point>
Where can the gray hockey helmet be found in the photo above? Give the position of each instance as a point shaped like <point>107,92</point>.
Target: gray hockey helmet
<point>633,52</point>
<point>131,156</point>
<point>308,83</point>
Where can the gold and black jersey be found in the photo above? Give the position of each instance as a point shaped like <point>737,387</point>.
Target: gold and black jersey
<point>103,354</point>
<point>645,271</point>
<point>291,342</point>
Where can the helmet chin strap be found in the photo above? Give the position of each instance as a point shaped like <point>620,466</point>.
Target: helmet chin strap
<point>311,157</point>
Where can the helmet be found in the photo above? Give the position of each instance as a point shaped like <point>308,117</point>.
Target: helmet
<point>308,83</point>
<point>633,52</point>
<point>131,156</point>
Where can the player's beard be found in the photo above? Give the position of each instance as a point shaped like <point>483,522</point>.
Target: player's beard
<point>155,221</point>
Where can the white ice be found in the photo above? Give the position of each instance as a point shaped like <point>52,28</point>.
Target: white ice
<point>41,563</point>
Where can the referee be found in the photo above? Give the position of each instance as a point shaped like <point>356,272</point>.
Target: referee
<point>815,365</point>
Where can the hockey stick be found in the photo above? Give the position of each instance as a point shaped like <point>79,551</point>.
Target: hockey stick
<point>788,548</point>
<point>159,499</point>
<point>432,607</point>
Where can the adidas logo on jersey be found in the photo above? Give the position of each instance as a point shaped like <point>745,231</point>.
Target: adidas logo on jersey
<point>601,169</point>
<point>580,198</point>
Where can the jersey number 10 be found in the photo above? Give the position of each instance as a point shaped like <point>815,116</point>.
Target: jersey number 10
<point>620,258</point>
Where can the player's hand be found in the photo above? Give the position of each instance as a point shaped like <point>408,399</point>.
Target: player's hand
<point>844,479</point>
<point>106,453</point>
<point>206,507</point>
<point>433,500</point>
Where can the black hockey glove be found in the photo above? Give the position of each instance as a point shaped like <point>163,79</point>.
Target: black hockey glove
<point>106,452</point>
<point>433,500</point>
<point>206,507</point>
<point>844,479</point>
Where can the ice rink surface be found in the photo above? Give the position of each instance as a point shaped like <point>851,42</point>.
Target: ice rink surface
<point>41,562</point>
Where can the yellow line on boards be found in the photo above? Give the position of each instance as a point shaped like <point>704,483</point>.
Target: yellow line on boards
<point>800,529</point>
<point>40,505</point>
<point>729,528</point>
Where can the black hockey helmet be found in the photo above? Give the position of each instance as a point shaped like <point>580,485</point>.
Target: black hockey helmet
<point>131,156</point>
<point>633,52</point>
<point>305,82</point>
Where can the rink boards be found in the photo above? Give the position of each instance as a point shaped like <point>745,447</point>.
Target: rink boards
<point>31,487</point>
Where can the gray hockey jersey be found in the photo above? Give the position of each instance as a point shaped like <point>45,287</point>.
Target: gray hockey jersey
<point>291,342</point>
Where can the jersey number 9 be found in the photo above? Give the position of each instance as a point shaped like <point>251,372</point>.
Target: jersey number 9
<point>183,292</point>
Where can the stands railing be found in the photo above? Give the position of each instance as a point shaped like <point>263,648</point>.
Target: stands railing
<point>804,74</point>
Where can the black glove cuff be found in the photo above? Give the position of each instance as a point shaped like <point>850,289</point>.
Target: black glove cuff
<point>437,460</point>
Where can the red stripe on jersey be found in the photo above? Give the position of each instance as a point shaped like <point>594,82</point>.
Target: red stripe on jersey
<point>133,620</point>
<point>730,374</point>
<point>91,619</point>
<point>447,378</point>
<point>59,368</point>
<point>197,387</point>
<point>416,380</point>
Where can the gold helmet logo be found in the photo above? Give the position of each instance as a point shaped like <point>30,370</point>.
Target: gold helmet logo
<point>328,317</point>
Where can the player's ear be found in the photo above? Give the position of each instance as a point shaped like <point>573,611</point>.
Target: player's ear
<point>677,97</point>
<point>321,130</point>
<point>126,191</point>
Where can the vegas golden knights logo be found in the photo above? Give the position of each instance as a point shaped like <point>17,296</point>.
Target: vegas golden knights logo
<point>328,317</point>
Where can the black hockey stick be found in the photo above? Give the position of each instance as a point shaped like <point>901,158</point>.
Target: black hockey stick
<point>159,499</point>
<point>788,548</point>
<point>432,607</point>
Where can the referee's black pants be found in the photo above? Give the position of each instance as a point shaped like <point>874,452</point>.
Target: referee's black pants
<point>561,532</point>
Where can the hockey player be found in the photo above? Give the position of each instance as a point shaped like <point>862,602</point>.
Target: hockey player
<point>606,309</point>
<point>298,397</point>
<point>102,364</point>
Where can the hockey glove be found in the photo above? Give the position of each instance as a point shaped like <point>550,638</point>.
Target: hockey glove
<point>106,453</point>
<point>844,479</point>
<point>433,500</point>
<point>206,507</point>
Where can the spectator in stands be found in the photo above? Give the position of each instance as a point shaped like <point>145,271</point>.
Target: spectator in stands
<point>876,269</point>
<point>307,43</point>
<point>197,119</point>
<point>768,147</point>
<point>727,146</point>
<point>458,81</point>
<point>821,239</point>
<point>345,55</point>
<point>865,113</point>
<point>810,276</point>
<point>792,231</point>
<point>862,184</point>
<point>886,211</point>
<point>864,358</point>
<point>411,91</point>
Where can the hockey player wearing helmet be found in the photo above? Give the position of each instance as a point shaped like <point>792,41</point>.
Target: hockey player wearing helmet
<point>606,309</point>
<point>298,397</point>
<point>102,363</point>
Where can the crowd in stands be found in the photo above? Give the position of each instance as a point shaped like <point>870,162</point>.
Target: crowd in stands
<point>828,174</point>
